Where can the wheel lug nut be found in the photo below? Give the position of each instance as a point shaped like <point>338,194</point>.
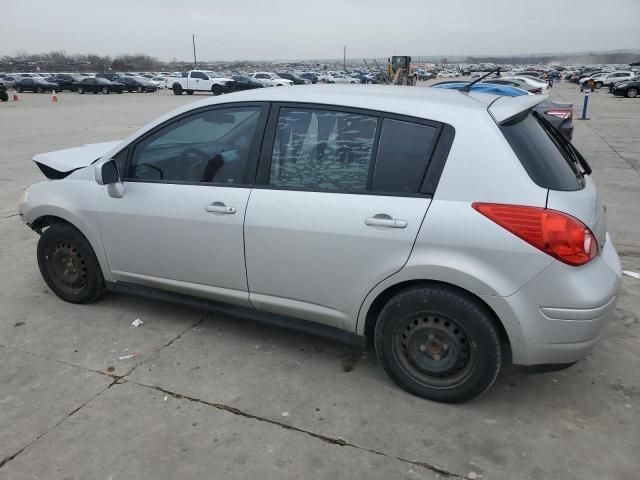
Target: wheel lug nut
<point>431,337</point>
<point>423,348</point>
<point>445,347</point>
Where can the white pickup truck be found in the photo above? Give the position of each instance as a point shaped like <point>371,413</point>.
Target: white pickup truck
<point>200,81</point>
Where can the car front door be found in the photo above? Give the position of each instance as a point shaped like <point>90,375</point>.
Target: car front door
<point>179,224</point>
<point>336,209</point>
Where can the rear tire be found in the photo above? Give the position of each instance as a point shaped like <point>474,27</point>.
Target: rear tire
<point>105,90</point>
<point>69,266</point>
<point>81,90</point>
<point>598,85</point>
<point>39,90</point>
<point>189,92</point>
<point>139,89</point>
<point>177,89</point>
<point>438,343</point>
<point>632,92</point>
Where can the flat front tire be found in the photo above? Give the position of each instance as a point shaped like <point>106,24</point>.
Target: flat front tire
<point>68,265</point>
<point>438,343</point>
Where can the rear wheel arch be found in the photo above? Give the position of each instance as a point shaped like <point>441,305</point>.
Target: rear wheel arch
<point>383,298</point>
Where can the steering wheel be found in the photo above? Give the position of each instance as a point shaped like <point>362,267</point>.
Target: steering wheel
<point>197,161</point>
<point>152,167</point>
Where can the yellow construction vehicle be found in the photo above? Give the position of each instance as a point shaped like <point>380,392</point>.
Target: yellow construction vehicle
<point>399,71</point>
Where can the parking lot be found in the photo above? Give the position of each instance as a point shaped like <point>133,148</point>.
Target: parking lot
<point>207,396</point>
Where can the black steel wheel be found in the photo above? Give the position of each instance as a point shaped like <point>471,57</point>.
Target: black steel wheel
<point>439,343</point>
<point>68,264</point>
<point>435,349</point>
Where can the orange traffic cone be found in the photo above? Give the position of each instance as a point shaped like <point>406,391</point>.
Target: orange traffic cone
<point>54,97</point>
<point>15,96</point>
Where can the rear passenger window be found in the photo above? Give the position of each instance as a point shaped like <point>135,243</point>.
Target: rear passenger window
<point>322,150</point>
<point>402,156</point>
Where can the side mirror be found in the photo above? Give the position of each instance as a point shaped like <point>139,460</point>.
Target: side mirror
<point>107,173</point>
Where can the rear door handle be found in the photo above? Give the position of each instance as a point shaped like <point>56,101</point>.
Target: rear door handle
<point>384,220</point>
<point>219,207</point>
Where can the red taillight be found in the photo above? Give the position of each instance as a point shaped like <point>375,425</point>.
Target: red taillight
<point>562,113</point>
<point>557,234</point>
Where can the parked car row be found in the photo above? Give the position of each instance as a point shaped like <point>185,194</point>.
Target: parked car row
<point>74,82</point>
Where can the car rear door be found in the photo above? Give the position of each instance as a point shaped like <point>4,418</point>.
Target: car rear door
<point>336,208</point>
<point>179,224</point>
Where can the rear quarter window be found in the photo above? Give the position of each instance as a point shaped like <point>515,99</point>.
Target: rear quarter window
<point>541,156</point>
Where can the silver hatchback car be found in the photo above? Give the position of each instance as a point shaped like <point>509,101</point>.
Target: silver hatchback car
<point>455,232</point>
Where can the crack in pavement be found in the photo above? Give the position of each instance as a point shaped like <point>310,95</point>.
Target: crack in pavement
<point>158,350</point>
<point>9,216</point>
<point>8,459</point>
<point>117,379</point>
<point>333,441</point>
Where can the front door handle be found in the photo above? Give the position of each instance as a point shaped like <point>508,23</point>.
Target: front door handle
<point>219,207</point>
<point>384,220</point>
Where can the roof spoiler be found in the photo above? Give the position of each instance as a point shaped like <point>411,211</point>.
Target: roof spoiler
<point>504,109</point>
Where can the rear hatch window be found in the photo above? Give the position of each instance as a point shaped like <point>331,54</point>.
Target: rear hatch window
<point>549,159</point>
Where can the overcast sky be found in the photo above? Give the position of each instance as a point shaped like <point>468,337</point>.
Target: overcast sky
<point>311,29</point>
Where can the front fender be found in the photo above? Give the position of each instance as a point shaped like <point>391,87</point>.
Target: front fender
<point>76,202</point>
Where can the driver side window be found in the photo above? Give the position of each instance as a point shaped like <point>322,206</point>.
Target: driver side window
<point>207,147</point>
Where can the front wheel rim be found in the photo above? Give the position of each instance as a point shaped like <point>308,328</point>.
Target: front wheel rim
<point>632,93</point>
<point>434,350</point>
<point>67,267</point>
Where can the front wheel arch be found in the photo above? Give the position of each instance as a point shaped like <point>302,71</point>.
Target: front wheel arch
<point>381,300</point>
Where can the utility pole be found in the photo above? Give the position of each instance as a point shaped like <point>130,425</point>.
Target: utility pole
<point>344,58</point>
<point>195,62</point>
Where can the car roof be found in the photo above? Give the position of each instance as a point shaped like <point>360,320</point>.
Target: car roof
<point>413,101</point>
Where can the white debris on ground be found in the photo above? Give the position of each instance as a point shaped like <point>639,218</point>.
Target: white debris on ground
<point>631,274</point>
<point>137,322</point>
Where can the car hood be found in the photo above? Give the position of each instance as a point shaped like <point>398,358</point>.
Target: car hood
<point>70,159</point>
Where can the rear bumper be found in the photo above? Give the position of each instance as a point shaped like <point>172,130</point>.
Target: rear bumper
<point>560,315</point>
